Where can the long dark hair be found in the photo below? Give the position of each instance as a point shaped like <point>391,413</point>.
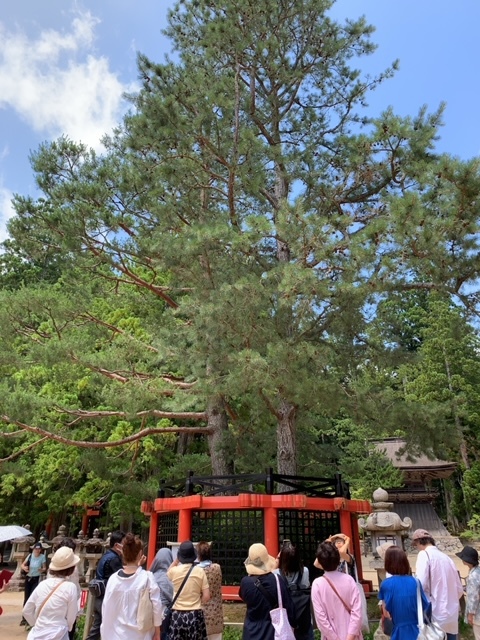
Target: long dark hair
<point>289,560</point>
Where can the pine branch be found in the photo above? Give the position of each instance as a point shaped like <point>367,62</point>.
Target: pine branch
<point>101,445</point>
<point>155,413</point>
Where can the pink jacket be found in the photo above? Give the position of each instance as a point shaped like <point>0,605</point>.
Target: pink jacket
<point>332,618</point>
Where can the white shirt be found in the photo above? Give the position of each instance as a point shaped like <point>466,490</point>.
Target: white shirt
<point>120,606</point>
<point>442,586</point>
<point>75,579</point>
<point>58,614</point>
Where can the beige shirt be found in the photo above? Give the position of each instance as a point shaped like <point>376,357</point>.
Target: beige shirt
<point>190,597</point>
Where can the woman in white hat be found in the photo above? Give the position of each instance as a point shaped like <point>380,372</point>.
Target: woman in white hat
<point>53,606</point>
<point>259,592</point>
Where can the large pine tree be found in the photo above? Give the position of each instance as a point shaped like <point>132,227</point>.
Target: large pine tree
<point>252,195</point>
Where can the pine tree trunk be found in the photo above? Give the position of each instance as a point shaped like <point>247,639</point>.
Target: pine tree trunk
<point>182,443</point>
<point>287,439</point>
<point>218,421</point>
<point>287,413</point>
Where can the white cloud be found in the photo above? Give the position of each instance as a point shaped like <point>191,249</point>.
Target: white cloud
<point>6,211</point>
<point>57,84</point>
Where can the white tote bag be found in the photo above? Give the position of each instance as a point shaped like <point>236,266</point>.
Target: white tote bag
<point>427,630</point>
<point>283,630</point>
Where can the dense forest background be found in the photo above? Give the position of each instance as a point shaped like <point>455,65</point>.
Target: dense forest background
<point>257,272</point>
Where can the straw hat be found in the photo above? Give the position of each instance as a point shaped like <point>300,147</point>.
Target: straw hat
<point>259,562</point>
<point>63,558</point>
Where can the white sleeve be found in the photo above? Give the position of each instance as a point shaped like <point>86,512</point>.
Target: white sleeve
<point>30,608</point>
<point>421,570</point>
<point>72,606</point>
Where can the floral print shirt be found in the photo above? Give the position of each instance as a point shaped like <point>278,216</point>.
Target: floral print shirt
<point>473,595</point>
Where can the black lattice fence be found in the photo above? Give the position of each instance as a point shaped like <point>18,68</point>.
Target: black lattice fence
<point>167,529</point>
<point>232,533</point>
<point>307,529</point>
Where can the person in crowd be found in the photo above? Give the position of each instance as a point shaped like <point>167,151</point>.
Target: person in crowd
<point>347,561</point>
<point>70,544</point>
<point>440,581</point>
<point>398,595</point>
<point>469,557</point>
<point>213,609</point>
<point>4,579</point>
<point>109,563</point>
<point>348,565</point>
<point>291,567</point>
<point>259,592</point>
<point>159,567</point>
<point>385,623</point>
<point>122,596</point>
<point>336,600</point>
<point>34,565</point>
<point>52,608</point>
<point>188,621</point>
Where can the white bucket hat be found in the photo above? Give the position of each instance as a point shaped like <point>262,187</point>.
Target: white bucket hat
<point>63,558</point>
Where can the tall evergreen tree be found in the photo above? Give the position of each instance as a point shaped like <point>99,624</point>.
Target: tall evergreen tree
<point>250,193</point>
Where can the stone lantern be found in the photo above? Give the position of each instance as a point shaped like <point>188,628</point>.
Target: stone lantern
<point>383,525</point>
<point>61,535</point>
<point>80,550</point>
<point>21,549</point>
<point>93,552</point>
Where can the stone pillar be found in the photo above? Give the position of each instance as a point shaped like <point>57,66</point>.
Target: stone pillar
<point>383,525</point>
<point>20,550</point>
<point>93,552</point>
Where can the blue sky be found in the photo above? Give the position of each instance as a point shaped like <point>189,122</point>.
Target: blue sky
<point>64,67</point>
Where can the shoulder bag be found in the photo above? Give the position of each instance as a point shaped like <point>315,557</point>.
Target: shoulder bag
<point>167,612</point>
<point>24,573</point>
<point>278,616</point>
<point>427,630</point>
<point>97,586</point>
<point>145,609</point>
<point>363,600</point>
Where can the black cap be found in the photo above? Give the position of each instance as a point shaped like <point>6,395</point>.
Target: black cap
<point>468,555</point>
<point>186,553</point>
<point>37,545</point>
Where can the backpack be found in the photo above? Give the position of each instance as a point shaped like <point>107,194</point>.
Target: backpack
<point>301,598</point>
<point>97,586</point>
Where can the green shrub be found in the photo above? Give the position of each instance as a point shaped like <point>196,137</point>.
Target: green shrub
<point>232,633</point>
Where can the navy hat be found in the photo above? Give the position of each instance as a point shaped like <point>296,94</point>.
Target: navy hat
<point>37,545</point>
<point>468,555</point>
<point>186,553</point>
